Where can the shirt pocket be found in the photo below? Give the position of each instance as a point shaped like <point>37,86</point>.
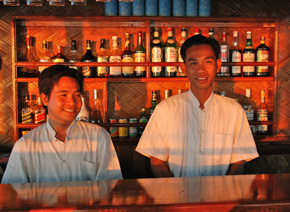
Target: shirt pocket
<point>88,170</point>
<point>223,148</point>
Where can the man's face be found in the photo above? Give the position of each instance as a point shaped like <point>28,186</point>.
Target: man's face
<point>201,67</point>
<point>65,102</point>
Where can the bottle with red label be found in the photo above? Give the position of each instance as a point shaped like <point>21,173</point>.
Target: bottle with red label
<point>262,55</point>
<point>225,70</point>
<point>39,114</point>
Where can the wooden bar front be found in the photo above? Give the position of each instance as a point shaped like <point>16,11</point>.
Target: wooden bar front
<point>212,193</point>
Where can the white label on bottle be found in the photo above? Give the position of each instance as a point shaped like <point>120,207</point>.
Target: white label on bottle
<point>262,56</point>
<point>249,57</point>
<point>127,69</point>
<point>170,56</point>
<point>156,56</point>
<point>236,57</point>
<point>262,116</point>
<point>225,70</point>
<point>139,57</point>
<point>102,70</point>
<point>224,53</point>
<point>115,70</point>
<point>249,112</point>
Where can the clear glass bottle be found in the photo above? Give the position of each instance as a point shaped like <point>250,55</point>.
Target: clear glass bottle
<point>236,56</point>
<point>153,103</point>
<point>182,40</point>
<point>139,56</point>
<point>84,114</point>
<point>26,112</point>
<point>88,71</point>
<point>74,57</point>
<point>59,57</point>
<point>262,114</point>
<point>31,56</point>
<point>39,114</point>
<point>115,57</point>
<point>156,54</point>
<point>96,114</point>
<point>262,55</point>
<point>224,54</point>
<point>166,93</point>
<point>249,56</point>
<point>44,56</point>
<point>247,104</point>
<point>127,57</point>
<point>170,54</point>
<point>143,119</point>
<point>103,57</point>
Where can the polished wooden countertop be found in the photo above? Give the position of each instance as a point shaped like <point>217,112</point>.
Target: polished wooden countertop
<point>213,193</point>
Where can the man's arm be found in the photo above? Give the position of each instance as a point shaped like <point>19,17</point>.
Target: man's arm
<point>236,168</point>
<point>159,168</point>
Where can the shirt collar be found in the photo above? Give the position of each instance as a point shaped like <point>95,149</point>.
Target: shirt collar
<point>196,103</point>
<point>52,131</point>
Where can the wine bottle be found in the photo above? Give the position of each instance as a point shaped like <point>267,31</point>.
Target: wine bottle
<point>88,57</point>
<point>59,57</point>
<point>170,54</point>
<point>115,56</point>
<point>139,56</point>
<point>103,56</point>
<point>249,56</point>
<point>127,57</point>
<point>236,56</point>
<point>74,57</point>
<point>262,55</point>
<point>156,54</point>
<point>262,114</point>
<point>96,115</point>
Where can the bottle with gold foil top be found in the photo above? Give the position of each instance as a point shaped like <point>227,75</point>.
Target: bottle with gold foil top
<point>39,114</point>
<point>262,114</point>
<point>88,57</point>
<point>224,54</point>
<point>139,56</point>
<point>249,56</point>
<point>262,55</point>
<point>103,56</point>
<point>127,57</point>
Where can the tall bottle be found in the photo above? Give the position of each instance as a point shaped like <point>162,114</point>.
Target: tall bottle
<point>44,56</point>
<point>96,114</point>
<point>84,114</point>
<point>262,55</point>
<point>59,57</point>
<point>26,112</point>
<point>73,57</point>
<point>88,57</point>
<point>127,57</point>
<point>140,56</point>
<point>143,119</point>
<point>182,40</point>
<point>248,107</point>
<point>115,56</point>
<point>103,56</point>
<point>31,56</point>
<point>170,54</point>
<point>153,103</point>
<point>262,114</point>
<point>39,114</point>
<point>236,56</point>
<point>249,56</point>
<point>156,54</point>
<point>224,54</point>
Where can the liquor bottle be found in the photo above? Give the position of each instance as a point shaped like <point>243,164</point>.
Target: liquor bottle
<point>31,56</point>
<point>127,57</point>
<point>88,57</point>
<point>59,57</point>
<point>96,115</point>
<point>44,56</point>
<point>211,33</point>
<point>84,114</point>
<point>139,56</point>
<point>103,56</point>
<point>26,112</point>
<point>115,56</point>
<point>182,40</point>
<point>143,119</point>
<point>33,104</point>
<point>73,57</point>
<point>224,54</point>
<point>236,56</point>
<point>262,55</point>
<point>223,93</point>
<point>247,104</point>
<point>170,54</point>
<point>249,56</point>
<point>262,114</point>
<point>39,114</point>
<point>166,93</point>
<point>153,103</point>
<point>156,54</point>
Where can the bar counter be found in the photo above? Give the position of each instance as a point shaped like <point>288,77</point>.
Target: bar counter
<point>213,193</point>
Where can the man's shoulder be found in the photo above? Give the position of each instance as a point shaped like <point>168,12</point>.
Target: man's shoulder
<point>91,128</point>
<point>226,102</point>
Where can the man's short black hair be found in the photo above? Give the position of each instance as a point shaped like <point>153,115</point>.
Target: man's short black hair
<point>51,76</point>
<point>199,40</point>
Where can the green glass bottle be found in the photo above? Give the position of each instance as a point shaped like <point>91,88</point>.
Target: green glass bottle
<point>156,54</point>
<point>139,56</point>
<point>153,103</point>
<point>170,54</point>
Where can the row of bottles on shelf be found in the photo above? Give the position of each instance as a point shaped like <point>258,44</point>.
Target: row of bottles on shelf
<point>260,115</point>
<point>159,52</point>
<point>32,110</point>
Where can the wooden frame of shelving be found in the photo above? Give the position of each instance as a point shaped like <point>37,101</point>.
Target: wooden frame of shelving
<point>147,24</point>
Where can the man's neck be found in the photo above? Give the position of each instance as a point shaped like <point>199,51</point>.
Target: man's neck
<point>202,96</point>
<point>60,129</point>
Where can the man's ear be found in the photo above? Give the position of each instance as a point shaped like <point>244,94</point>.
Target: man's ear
<point>44,99</point>
<point>219,64</point>
<point>183,69</point>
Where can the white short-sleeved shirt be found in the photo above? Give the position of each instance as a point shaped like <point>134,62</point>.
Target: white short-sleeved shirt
<point>86,155</point>
<point>198,142</point>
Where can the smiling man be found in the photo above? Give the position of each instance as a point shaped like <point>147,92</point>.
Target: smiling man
<point>198,133</point>
<point>62,149</point>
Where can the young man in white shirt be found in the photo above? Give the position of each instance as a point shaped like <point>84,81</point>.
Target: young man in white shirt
<point>62,149</point>
<point>198,133</point>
